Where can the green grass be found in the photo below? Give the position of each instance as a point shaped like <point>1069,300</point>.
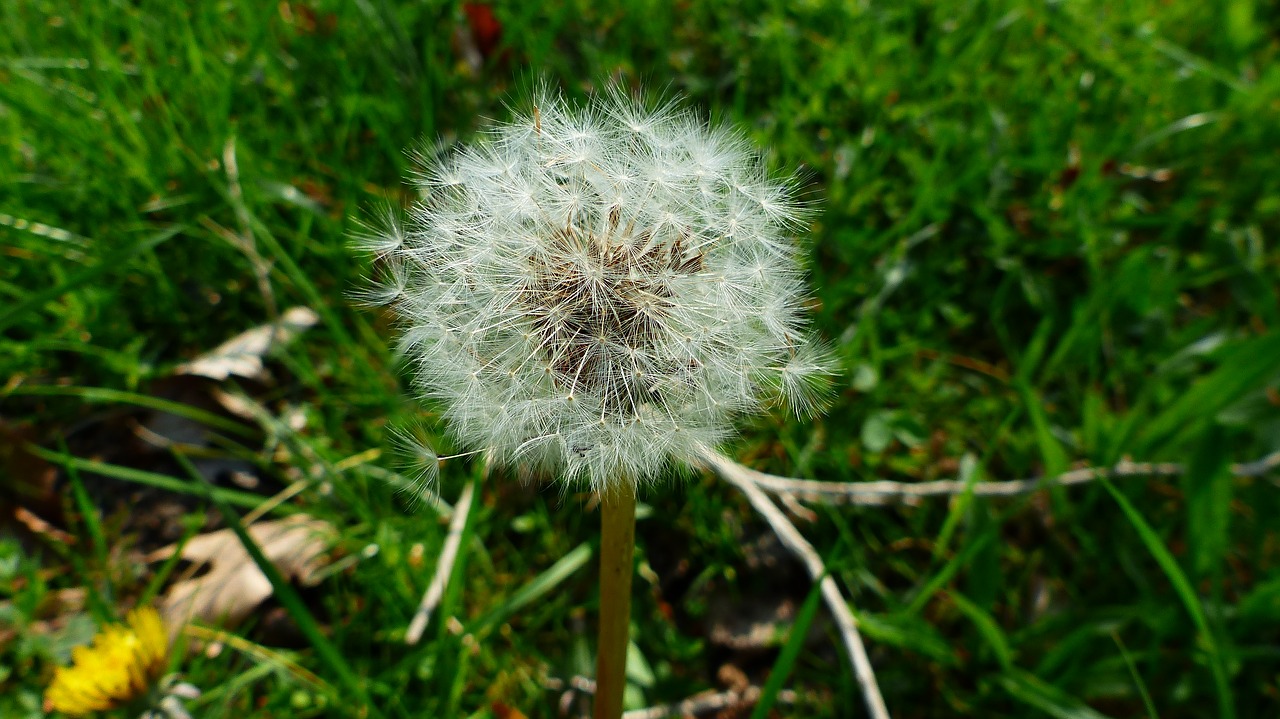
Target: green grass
<point>1048,237</point>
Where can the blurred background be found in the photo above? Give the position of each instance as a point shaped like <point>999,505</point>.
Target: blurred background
<point>1047,242</point>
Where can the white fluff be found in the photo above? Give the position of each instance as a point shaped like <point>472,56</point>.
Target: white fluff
<point>597,291</point>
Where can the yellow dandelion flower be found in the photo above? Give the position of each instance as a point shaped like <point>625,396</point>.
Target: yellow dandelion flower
<point>122,665</point>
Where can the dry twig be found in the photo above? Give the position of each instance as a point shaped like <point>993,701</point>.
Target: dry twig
<point>741,477</point>
<point>883,492</point>
<point>444,568</point>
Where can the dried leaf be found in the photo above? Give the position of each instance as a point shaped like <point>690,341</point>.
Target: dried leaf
<point>242,355</point>
<point>233,586</point>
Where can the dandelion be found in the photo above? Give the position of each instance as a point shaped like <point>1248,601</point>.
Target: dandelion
<point>597,292</point>
<point>123,666</point>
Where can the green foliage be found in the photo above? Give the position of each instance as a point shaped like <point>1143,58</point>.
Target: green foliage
<point>1047,238</point>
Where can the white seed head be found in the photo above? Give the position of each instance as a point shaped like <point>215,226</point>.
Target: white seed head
<point>598,291</point>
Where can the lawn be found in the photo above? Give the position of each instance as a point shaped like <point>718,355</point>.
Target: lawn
<point>1044,241</point>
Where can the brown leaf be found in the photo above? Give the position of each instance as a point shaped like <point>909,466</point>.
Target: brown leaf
<point>233,586</point>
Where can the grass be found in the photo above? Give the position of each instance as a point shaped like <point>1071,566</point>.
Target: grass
<point>1047,238</point>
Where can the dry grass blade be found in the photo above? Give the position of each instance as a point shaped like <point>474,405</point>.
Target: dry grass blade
<point>794,541</point>
<point>444,568</point>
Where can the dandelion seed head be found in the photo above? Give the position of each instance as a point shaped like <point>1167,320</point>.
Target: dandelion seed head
<point>597,291</point>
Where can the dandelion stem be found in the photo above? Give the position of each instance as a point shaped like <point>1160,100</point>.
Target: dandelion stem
<point>617,544</point>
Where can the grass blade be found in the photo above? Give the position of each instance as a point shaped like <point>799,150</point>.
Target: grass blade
<point>790,652</point>
<point>1208,484</point>
<point>1247,367</point>
<point>145,478</point>
<point>1185,592</point>
<point>987,627</point>
<point>1033,691</point>
<point>536,588</point>
<point>112,261</point>
<point>1147,703</point>
<point>102,394</point>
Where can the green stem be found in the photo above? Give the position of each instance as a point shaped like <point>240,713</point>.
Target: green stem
<point>617,544</point>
